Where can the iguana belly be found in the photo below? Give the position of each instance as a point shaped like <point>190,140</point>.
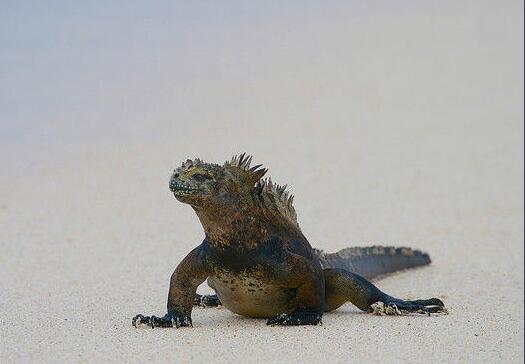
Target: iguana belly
<point>250,295</point>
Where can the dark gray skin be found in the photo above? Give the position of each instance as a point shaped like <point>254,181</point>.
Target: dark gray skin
<point>259,263</point>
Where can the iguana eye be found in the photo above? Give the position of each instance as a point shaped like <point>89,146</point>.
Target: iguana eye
<point>199,177</point>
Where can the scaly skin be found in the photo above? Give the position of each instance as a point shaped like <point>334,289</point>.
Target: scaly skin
<point>259,263</point>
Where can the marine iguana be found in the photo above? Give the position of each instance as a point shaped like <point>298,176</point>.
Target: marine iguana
<point>258,261</point>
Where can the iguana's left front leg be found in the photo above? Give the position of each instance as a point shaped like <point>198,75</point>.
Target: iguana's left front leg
<point>188,275</point>
<point>306,308</point>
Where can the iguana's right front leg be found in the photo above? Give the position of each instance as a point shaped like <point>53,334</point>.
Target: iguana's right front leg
<point>188,275</point>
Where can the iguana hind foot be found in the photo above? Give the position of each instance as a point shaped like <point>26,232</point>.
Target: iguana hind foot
<point>342,286</point>
<point>296,318</point>
<point>394,306</point>
<point>204,300</point>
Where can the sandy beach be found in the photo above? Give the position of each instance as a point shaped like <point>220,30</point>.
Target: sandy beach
<point>391,125</point>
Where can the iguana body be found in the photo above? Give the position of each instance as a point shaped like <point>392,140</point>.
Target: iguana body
<point>259,263</point>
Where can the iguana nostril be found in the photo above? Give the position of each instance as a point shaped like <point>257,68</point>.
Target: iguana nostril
<point>176,175</point>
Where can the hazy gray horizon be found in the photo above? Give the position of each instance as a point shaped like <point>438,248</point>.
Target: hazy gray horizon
<point>61,57</point>
<point>87,74</point>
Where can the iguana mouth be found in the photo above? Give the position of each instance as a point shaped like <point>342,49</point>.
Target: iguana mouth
<point>182,189</point>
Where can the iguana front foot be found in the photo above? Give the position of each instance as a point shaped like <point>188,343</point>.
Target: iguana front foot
<point>296,318</point>
<point>206,300</point>
<point>394,306</point>
<point>169,320</point>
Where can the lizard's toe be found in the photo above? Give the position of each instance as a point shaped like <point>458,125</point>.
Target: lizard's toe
<point>397,307</point>
<point>429,302</point>
<point>277,320</point>
<point>165,321</point>
<point>138,320</point>
<point>168,320</point>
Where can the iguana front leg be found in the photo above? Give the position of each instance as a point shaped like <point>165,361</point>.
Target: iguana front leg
<point>342,286</point>
<point>188,275</point>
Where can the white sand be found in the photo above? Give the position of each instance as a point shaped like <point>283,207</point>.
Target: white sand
<point>396,125</point>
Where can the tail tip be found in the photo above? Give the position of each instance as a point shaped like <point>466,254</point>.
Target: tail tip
<point>424,256</point>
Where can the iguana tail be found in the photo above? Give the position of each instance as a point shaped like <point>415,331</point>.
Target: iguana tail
<point>370,262</point>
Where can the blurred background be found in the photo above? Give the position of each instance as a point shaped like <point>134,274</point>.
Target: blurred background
<point>74,74</point>
<point>392,122</point>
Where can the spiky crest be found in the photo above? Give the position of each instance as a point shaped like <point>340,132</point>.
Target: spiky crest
<point>273,196</point>
<point>241,164</point>
<point>265,193</point>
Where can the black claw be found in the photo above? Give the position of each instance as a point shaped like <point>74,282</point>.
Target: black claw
<point>153,322</point>
<point>138,318</point>
<point>169,320</point>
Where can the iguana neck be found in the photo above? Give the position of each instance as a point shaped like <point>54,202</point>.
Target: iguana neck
<point>233,224</point>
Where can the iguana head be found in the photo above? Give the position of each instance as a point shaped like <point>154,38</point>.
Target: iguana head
<point>222,195</point>
<point>198,183</point>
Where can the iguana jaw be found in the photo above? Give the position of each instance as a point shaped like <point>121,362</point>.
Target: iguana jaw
<point>181,189</point>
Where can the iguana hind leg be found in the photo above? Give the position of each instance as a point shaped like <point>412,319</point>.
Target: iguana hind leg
<point>205,300</point>
<point>342,286</point>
